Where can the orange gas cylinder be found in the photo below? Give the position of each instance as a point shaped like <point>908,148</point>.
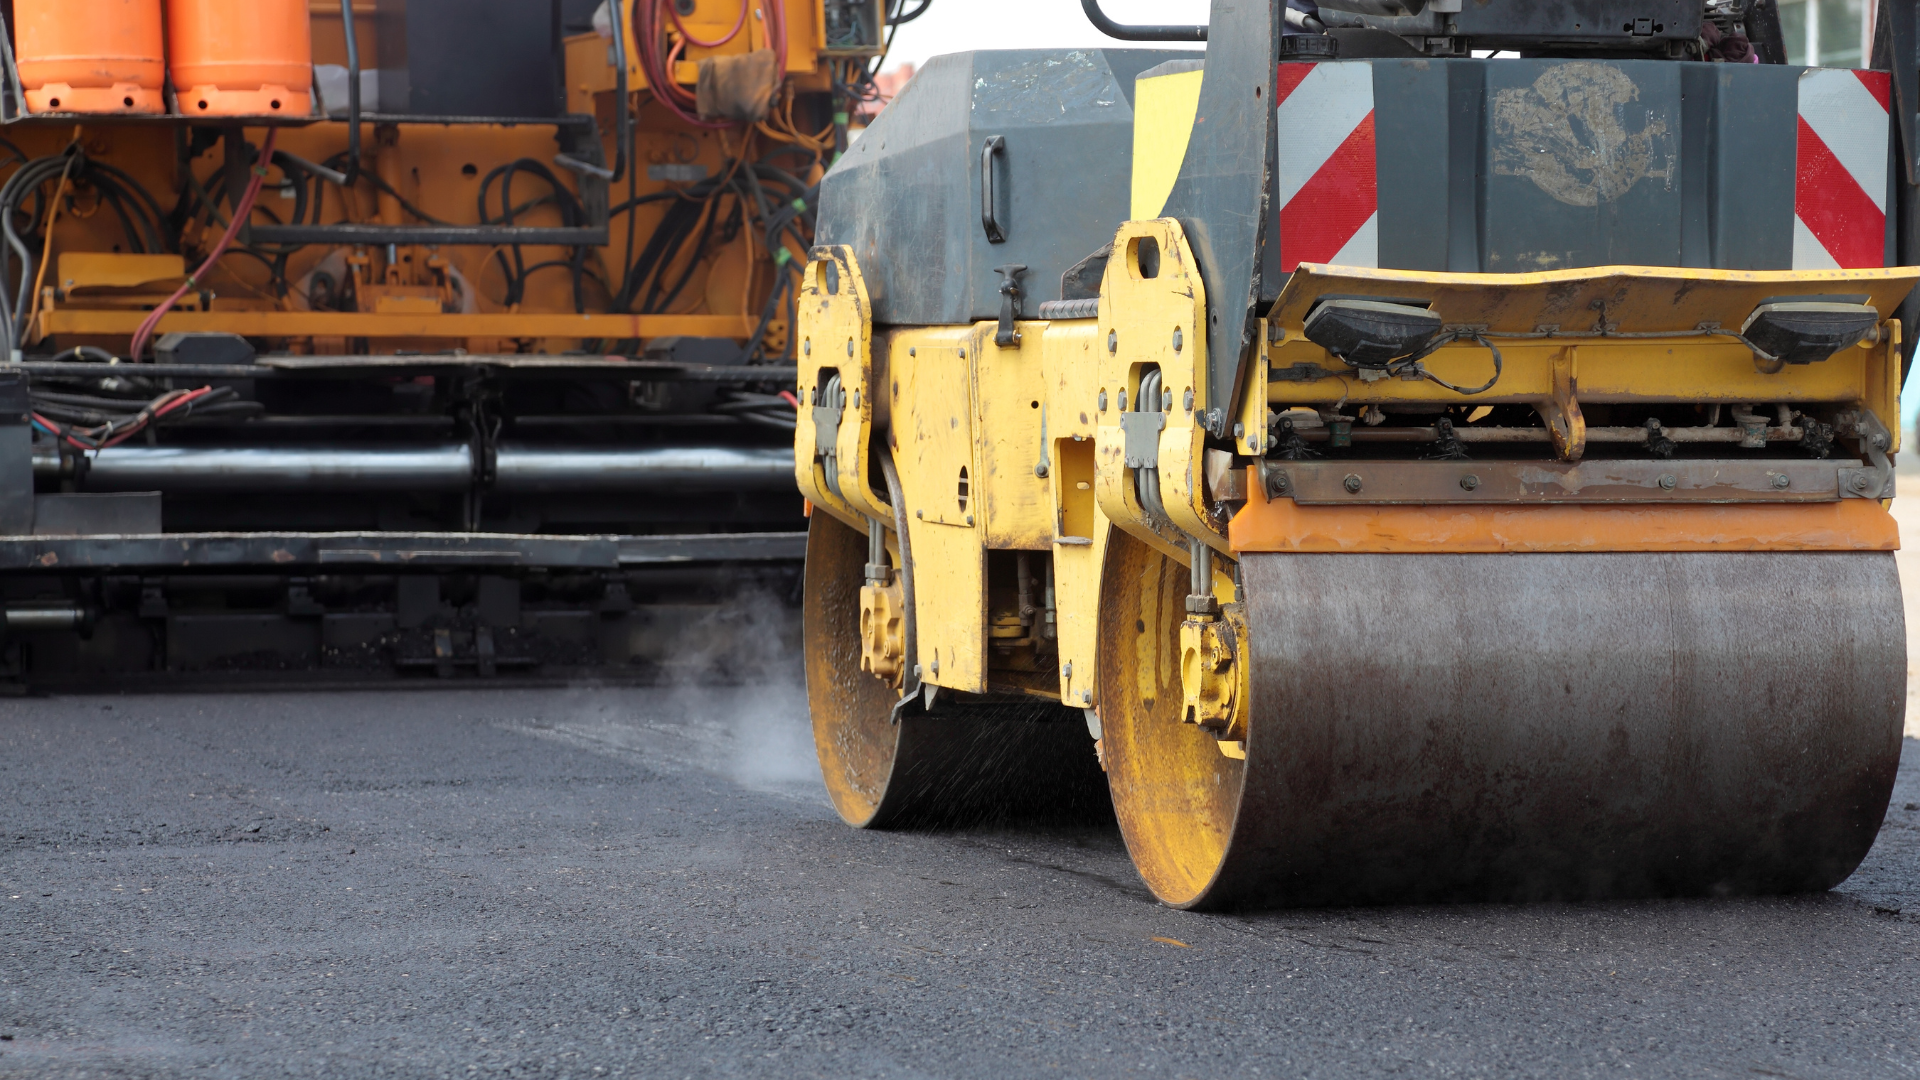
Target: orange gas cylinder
<point>91,56</point>
<point>240,57</point>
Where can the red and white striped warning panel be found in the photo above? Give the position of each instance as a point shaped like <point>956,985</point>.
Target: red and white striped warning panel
<point>1325,187</point>
<point>1840,179</point>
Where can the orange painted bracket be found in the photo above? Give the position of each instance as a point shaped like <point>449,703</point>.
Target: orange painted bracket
<point>1281,525</point>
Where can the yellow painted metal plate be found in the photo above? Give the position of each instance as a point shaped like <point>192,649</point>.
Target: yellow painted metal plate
<point>1012,498</point>
<point>82,270</point>
<point>1627,299</point>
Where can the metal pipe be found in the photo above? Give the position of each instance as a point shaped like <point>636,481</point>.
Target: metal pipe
<point>51,617</point>
<point>193,469</point>
<point>527,469</point>
<point>1541,435</point>
<point>1103,23</point>
<point>441,468</point>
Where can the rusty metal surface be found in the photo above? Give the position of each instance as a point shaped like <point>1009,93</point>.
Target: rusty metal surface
<point>1422,482</point>
<point>1571,726</point>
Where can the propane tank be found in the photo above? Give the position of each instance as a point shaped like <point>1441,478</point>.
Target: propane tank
<point>240,57</point>
<point>91,56</point>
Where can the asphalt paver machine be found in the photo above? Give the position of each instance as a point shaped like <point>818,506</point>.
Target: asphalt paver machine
<point>404,337</point>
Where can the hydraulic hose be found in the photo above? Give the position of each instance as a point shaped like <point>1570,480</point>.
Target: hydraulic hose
<point>240,215</point>
<point>1125,32</point>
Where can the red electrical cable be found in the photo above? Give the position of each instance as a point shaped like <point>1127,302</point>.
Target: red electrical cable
<point>104,435</point>
<point>649,30</point>
<point>241,213</point>
<point>674,11</point>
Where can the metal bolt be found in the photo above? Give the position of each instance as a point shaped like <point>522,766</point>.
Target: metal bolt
<point>806,347</point>
<point>1469,482</point>
<point>1860,482</point>
<point>936,664</point>
<point>1187,403</point>
<point>963,354</point>
<point>1086,697</point>
<point>1278,484</point>
<point>1166,401</point>
<point>1351,483</point>
<point>921,514</point>
<point>1879,442</point>
<point>1667,481</point>
<point>916,671</point>
<point>1178,340</point>
<point>1103,401</point>
<point>1066,670</point>
<point>913,352</point>
<point>1781,480</point>
<point>969,519</point>
<point>1123,401</point>
<point>856,399</point>
<point>849,346</point>
<point>1239,431</point>
<point>1113,341</point>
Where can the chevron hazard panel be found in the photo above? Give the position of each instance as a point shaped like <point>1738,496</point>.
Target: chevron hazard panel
<point>1325,183</point>
<point>1840,178</point>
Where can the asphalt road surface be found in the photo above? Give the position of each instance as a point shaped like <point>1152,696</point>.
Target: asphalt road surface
<point>622,882</point>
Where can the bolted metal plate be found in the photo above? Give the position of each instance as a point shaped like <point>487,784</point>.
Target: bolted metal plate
<point>1361,482</point>
<point>1142,430</point>
<point>1859,483</point>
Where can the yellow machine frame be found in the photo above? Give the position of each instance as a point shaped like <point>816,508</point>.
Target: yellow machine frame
<point>1024,448</point>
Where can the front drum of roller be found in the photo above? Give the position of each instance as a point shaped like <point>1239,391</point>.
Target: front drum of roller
<point>1512,727</point>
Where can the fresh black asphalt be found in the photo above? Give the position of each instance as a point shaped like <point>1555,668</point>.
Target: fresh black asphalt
<point>649,883</point>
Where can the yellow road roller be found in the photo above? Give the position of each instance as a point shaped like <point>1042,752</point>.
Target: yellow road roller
<point>1408,473</point>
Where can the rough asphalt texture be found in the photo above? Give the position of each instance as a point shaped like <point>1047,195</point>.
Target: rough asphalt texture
<point>649,883</point>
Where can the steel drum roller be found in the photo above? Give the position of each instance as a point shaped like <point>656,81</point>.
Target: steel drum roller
<point>1017,761</point>
<point>1440,727</point>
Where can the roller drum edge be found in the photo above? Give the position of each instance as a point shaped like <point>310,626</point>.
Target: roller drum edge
<point>1494,727</point>
<point>1024,762</point>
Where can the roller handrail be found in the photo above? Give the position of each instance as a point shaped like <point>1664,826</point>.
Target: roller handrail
<point>1107,26</point>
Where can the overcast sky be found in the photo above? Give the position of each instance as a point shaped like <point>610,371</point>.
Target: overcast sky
<point>959,25</point>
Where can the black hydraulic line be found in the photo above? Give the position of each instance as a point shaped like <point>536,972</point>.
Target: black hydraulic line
<point>903,16</point>
<point>85,352</point>
<point>1110,28</point>
<point>623,139</point>
<point>352,170</point>
<point>13,89</point>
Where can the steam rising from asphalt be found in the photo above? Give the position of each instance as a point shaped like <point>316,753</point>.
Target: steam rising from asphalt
<point>731,700</point>
<point>737,675</point>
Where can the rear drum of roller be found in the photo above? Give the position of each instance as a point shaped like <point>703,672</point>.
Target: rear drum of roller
<point>1491,727</point>
<point>966,765</point>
